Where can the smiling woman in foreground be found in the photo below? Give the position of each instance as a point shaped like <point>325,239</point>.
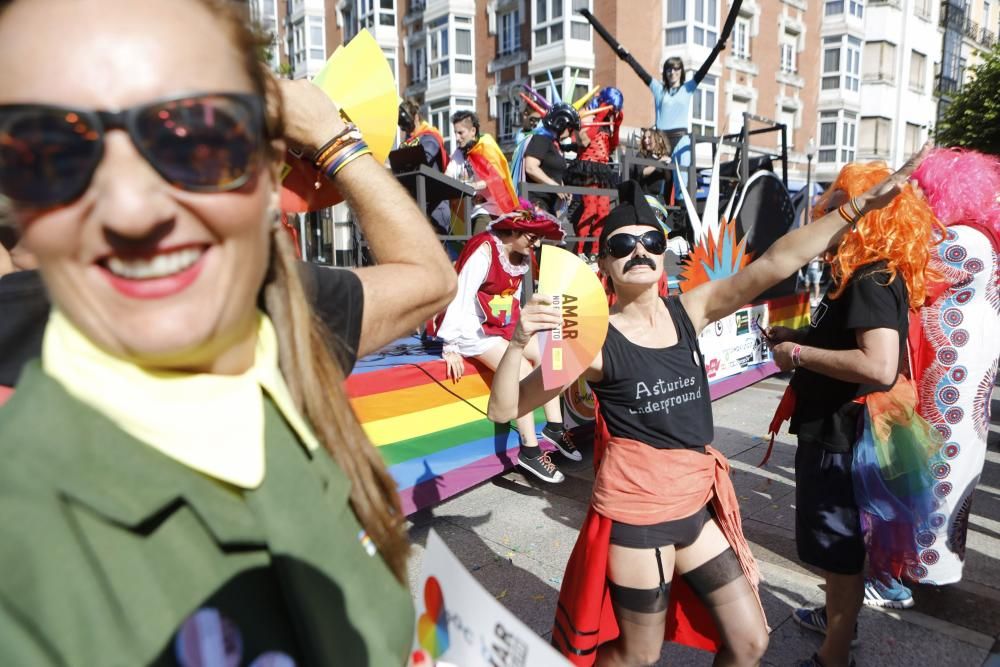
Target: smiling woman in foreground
<point>184,481</point>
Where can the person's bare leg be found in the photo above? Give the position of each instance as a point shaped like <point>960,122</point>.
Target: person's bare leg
<point>844,596</point>
<point>710,567</point>
<point>525,423</point>
<point>640,638</point>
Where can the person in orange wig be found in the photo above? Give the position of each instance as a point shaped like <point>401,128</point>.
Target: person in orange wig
<point>851,353</point>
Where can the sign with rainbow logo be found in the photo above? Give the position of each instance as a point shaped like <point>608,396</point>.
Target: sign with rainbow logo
<point>460,623</point>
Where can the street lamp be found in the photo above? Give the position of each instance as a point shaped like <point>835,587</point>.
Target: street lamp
<point>810,151</point>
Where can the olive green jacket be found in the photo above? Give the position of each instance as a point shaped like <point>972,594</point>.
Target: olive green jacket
<point>107,546</point>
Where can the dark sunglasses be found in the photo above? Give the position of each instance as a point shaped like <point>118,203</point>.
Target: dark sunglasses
<point>202,143</point>
<point>622,245</point>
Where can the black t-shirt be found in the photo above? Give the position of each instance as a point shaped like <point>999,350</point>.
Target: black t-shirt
<point>655,183</point>
<point>658,396</point>
<point>824,409</point>
<point>24,310</point>
<point>553,164</point>
<point>336,296</point>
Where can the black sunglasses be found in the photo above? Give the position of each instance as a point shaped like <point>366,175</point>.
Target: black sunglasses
<point>207,142</point>
<point>622,245</point>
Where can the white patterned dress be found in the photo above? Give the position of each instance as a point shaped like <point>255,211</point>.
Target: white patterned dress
<point>955,383</point>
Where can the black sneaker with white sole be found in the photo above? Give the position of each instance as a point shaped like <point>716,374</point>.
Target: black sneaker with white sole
<point>542,467</point>
<point>563,441</point>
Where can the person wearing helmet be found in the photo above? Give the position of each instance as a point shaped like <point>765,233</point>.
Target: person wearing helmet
<point>544,161</point>
<point>591,168</point>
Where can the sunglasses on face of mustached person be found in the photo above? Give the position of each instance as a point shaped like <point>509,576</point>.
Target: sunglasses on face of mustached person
<point>623,245</point>
<point>207,142</point>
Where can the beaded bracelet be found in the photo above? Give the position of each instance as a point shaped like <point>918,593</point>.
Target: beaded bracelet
<point>796,356</point>
<point>345,157</point>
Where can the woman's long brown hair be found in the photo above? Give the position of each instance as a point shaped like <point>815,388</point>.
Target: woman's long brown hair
<point>311,371</point>
<point>314,377</point>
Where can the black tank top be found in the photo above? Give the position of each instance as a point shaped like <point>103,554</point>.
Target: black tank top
<point>658,396</point>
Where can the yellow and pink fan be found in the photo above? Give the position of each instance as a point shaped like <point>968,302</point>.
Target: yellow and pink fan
<point>567,351</point>
<point>358,78</point>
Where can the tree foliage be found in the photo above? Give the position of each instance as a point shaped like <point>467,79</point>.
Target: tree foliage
<point>973,118</point>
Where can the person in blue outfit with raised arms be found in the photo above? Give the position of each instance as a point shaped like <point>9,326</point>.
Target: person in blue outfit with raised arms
<point>672,96</point>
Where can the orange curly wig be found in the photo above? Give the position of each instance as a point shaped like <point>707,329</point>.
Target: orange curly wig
<point>902,234</point>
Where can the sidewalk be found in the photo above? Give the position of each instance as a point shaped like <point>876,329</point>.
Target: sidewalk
<point>515,537</point>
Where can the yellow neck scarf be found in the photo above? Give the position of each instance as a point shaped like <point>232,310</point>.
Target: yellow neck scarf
<point>211,423</point>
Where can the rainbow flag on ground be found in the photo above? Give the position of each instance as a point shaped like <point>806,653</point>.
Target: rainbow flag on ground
<point>432,433</point>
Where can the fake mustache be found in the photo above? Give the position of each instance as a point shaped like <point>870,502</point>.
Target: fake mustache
<point>636,261</point>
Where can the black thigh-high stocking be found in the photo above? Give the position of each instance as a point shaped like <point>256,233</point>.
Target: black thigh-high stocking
<point>722,587</point>
<point>642,617</point>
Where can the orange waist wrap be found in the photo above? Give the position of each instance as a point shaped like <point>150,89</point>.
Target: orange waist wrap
<point>642,485</point>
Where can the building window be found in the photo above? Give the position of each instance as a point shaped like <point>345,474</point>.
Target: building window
<point>787,117</point>
<point>508,121</point>
<point>741,39</point>
<point>676,32</point>
<point>548,22</point>
<point>922,9</point>
<point>372,13</point>
<point>789,48</point>
<point>880,61</point>
<point>876,136</point>
<point>437,36</point>
<point>703,107</point>
<point>463,51</point>
<point>706,22</point>
<point>833,7</point>
<point>509,39</point>
<point>316,30</point>
<point>440,117</point>
<point>918,65</point>
<point>579,27</point>
<point>583,78</point>
<point>914,139</point>
<point>841,63</point>
<point>418,64</point>
<point>857,8</point>
<point>836,135</point>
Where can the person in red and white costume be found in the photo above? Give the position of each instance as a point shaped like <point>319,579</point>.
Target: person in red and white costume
<point>481,319</point>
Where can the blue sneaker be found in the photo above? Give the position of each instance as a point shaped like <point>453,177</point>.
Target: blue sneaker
<point>893,595</point>
<point>815,620</point>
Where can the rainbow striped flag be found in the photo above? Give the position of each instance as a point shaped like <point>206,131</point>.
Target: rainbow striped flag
<point>432,433</point>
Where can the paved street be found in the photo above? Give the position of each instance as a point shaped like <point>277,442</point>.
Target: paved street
<point>515,537</point>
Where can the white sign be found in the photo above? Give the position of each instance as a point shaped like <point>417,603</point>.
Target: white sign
<point>460,623</point>
<point>735,343</point>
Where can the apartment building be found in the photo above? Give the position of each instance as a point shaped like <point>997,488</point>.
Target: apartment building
<point>850,79</point>
<point>885,64</point>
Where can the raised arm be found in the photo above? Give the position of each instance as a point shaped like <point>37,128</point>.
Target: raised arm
<point>727,29</point>
<point>616,47</point>
<point>413,278</point>
<point>634,64</point>
<point>718,298</point>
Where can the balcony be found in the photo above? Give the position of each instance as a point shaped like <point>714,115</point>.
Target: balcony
<point>954,18</point>
<point>944,85</point>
